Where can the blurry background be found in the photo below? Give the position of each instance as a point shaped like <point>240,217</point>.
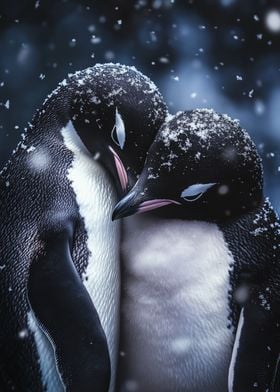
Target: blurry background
<point>222,54</point>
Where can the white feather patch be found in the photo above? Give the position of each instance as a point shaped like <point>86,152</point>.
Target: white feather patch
<point>235,351</point>
<point>196,189</point>
<point>50,375</point>
<point>96,198</point>
<point>175,307</point>
<point>120,129</point>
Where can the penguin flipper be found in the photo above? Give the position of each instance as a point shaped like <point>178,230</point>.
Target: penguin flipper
<point>255,354</point>
<point>65,312</point>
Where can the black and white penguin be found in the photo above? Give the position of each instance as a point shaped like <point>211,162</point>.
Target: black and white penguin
<point>201,278</point>
<point>59,251</point>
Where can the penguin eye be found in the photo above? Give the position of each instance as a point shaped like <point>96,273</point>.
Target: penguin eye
<point>194,192</point>
<point>118,131</point>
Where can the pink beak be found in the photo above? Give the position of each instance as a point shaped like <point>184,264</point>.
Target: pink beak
<point>120,170</point>
<point>153,204</point>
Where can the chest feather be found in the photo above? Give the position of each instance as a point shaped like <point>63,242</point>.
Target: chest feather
<point>174,306</point>
<point>96,198</point>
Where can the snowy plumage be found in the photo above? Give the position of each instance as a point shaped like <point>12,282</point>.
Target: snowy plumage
<point>96,196</point>
<point>174,308</point>
<point>59,256</point>
<point>206,280</point>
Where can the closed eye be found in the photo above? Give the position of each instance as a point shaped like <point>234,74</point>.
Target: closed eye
<point>195,191</point>
<point>118,131</point>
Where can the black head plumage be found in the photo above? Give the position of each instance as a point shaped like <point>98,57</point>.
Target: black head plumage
<point>115,110</point>
<point>202,165</point>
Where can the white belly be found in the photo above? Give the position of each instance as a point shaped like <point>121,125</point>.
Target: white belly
<point>174,334</point>
<point>96,199</point>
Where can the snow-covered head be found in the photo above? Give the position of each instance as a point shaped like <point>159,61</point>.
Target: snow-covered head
<point>201,165</point>
<point>117,111</point>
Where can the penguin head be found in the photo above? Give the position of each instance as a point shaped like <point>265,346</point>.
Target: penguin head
<point>117,111</point>
<point>201,165</point>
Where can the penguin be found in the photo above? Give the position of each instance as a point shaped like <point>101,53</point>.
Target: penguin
<point>59,252</point>
<point>200,307</point>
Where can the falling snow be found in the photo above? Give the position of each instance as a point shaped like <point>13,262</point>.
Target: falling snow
<point>272,21</point>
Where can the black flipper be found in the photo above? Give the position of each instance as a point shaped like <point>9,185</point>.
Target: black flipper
<point>256,350</point>
<point>66,313</point>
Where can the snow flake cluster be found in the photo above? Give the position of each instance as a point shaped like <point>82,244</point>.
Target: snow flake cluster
<point>265,225</point>
<point>106,85</point>
<point>203,123</point>
<point>199,137</point>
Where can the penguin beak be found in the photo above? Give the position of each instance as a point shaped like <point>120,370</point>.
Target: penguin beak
<point>133,204</point>
<point>120,170</point>
<point>126,206</point>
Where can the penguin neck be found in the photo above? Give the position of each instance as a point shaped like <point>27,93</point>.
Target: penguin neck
<point>50,119</point>
<point>64,116</point>
<point>43,149</point>
<point>56,118</point>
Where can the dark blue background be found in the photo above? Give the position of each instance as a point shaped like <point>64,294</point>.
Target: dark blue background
<point>196,52</point>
